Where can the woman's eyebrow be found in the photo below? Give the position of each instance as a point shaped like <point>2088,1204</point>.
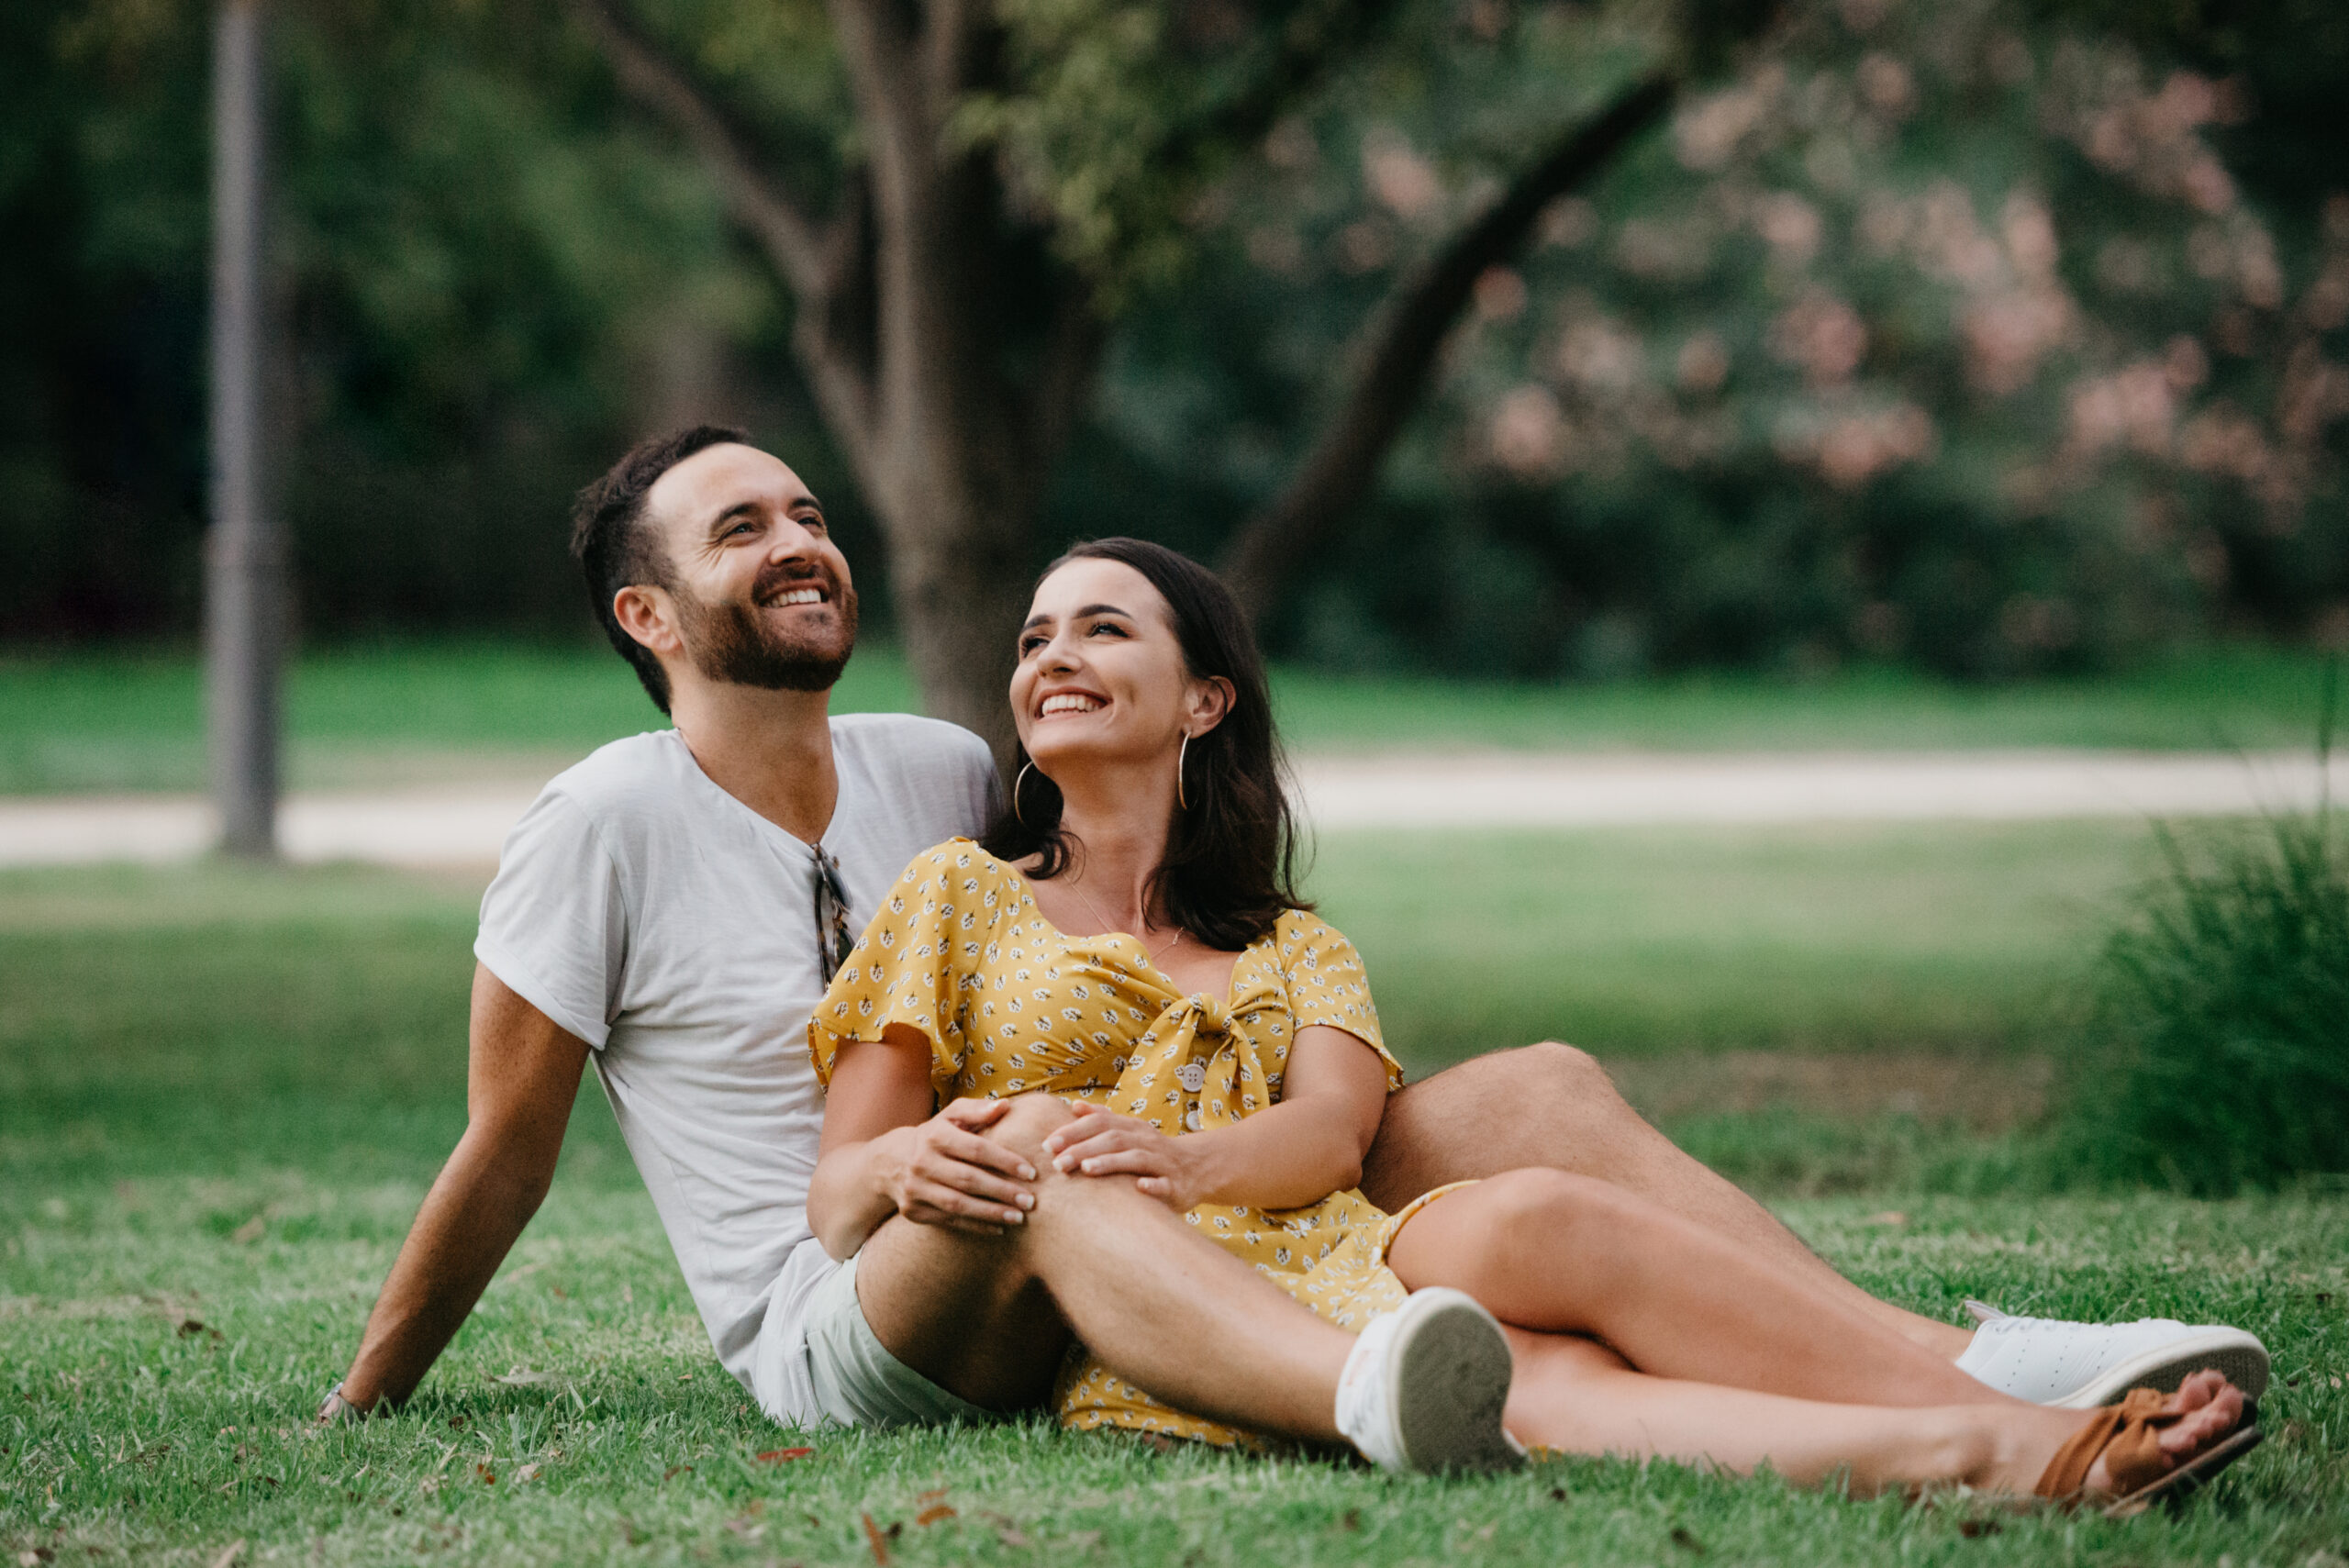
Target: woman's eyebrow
<point>1041,617</point>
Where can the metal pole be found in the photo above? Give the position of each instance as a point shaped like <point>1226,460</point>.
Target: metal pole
<point>244,558</point>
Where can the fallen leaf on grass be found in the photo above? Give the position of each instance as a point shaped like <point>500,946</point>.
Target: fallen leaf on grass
<point>1008,1532</point>
<point>783,1455</point>
<point>32,1557</point>
<point>489,1477</point>
<point>245,1235</point>
<point>527,1377</point>
<point>189,1327</point>
<point>877,1541</point>
<point>1687,1543</point>
<point>1890,1216</point>
<point>229,1555</point>
<point>933,1514</point>
<point>527,1472</point>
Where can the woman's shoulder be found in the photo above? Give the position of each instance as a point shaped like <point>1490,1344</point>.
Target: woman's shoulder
<point>959,865</point>
<point>1301,939</point>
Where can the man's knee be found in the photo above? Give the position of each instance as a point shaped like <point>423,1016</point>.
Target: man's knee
<point>1562,1068</point>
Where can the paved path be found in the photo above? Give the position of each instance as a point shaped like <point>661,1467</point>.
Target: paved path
<point>460,824</point>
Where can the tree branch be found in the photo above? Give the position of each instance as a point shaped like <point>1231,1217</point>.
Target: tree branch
<point>793,240</point>
<point>1400,349</point>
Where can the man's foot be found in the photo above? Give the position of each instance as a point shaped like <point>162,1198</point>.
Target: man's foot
<point>1424,1385</point>
<point>2079,1366</point>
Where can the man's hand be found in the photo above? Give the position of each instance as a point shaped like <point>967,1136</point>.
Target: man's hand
<point>1103,1143</point>
<point>940,1172</point>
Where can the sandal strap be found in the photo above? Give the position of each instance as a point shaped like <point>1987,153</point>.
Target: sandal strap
<point>2125,1436</point>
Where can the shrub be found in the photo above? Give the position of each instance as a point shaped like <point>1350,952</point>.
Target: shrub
<point>2223,1015</point>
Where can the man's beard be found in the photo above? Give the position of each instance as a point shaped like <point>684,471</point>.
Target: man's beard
<point>731,642</point>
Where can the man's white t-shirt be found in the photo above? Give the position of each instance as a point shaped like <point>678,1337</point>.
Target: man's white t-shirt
<point>671,927</point>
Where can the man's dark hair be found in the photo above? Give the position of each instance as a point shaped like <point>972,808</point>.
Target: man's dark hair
<point>1230,866</point>
<point>616,551</point>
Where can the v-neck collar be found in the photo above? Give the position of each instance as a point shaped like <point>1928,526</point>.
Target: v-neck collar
<point>774,833</point>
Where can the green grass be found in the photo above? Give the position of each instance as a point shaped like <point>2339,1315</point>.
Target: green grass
<point>222,1091</point>
<point>1939,936</point>
<point>365,716</point>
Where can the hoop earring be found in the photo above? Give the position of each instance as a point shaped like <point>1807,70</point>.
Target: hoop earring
<point>1018,780</point>
<point>1182,801</point>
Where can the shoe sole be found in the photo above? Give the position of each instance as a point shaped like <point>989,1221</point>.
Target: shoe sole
<point>2190,1477</point>
<point>2234,1354</point>
<point>1450,1383</point>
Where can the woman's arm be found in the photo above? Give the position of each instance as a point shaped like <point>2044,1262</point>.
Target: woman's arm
<point>882,1152</point>
<point>1299,1150</point>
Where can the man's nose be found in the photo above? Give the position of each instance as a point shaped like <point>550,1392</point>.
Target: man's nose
<point>791,541</point>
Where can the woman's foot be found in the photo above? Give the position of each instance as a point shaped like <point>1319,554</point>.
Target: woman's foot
<point>2203,1413</point>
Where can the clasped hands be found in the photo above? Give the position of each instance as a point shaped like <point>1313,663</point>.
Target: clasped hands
<point>944,1174</point>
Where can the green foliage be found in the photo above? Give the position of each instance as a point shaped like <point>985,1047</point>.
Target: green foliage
<point>1935,333</point>
<point>2226,1020</point>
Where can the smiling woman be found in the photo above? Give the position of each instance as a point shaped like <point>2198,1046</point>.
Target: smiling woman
<point>1133,657</point>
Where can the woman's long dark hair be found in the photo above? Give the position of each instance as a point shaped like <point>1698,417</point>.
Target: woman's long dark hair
<point>1230,865</point>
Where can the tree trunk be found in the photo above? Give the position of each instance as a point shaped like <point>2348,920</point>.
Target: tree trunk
<point>244,554</point>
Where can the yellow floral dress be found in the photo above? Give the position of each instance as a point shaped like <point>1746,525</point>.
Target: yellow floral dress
<point>1011,1005</point>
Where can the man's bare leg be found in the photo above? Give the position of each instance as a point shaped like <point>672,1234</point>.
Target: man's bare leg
<point>1553,1105</point>
<point>988,1318</point>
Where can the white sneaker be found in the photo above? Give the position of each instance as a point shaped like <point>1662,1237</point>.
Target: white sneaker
<point>1423,1387</point>
<point>2079,1366</point>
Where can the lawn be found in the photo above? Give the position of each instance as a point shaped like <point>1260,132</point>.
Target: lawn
<point>222,1091</point>
<point>367,715</point>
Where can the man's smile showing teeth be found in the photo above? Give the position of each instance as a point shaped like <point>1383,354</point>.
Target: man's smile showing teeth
<point>799,597</point>
<point>1069,702</point>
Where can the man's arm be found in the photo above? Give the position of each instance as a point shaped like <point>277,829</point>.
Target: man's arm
<point>521,1076</point>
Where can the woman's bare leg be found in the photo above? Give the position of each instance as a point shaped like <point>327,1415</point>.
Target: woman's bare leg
<point>1567,1254</point>
<point>1581,1397</point>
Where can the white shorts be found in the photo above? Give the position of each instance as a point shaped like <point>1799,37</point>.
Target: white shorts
<point>818,1360</point>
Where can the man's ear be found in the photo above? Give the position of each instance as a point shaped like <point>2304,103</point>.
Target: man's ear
<point>648,613</point>
<point>1212,700</point>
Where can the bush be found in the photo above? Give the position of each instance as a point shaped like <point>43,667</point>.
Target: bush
<point>2224,1014</point>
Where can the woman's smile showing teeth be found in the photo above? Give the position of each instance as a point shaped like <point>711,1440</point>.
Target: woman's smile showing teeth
<point>1069,702</point>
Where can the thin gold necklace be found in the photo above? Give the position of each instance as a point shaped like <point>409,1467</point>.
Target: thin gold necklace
<point>1109,926</point>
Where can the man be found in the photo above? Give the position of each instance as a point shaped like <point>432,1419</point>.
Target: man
<point>673,907</point>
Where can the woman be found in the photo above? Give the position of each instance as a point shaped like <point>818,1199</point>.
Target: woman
<point>1128,938</point>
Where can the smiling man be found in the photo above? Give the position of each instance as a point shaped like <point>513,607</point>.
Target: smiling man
<point>673,909</point>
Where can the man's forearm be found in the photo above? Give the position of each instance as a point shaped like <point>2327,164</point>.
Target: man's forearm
<point>468,1222</point>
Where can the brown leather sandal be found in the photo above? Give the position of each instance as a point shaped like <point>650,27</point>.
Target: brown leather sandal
<point>2125,1436</point>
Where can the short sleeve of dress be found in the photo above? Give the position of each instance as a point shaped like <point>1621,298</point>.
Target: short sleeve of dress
<point>1327,984</point>
<point>913,963</point>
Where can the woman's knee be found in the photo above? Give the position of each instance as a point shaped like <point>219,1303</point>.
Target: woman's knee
<point>1027,1120</point>
<point>1549,1206</point>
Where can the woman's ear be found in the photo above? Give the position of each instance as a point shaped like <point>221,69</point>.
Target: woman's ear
<point>1211,701</point>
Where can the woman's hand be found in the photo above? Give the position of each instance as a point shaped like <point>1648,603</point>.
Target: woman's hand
<point>940,1172</point>
<point>1103,1143</point>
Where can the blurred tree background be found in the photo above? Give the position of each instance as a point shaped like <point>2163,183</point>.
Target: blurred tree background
<point>1991,337</point>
